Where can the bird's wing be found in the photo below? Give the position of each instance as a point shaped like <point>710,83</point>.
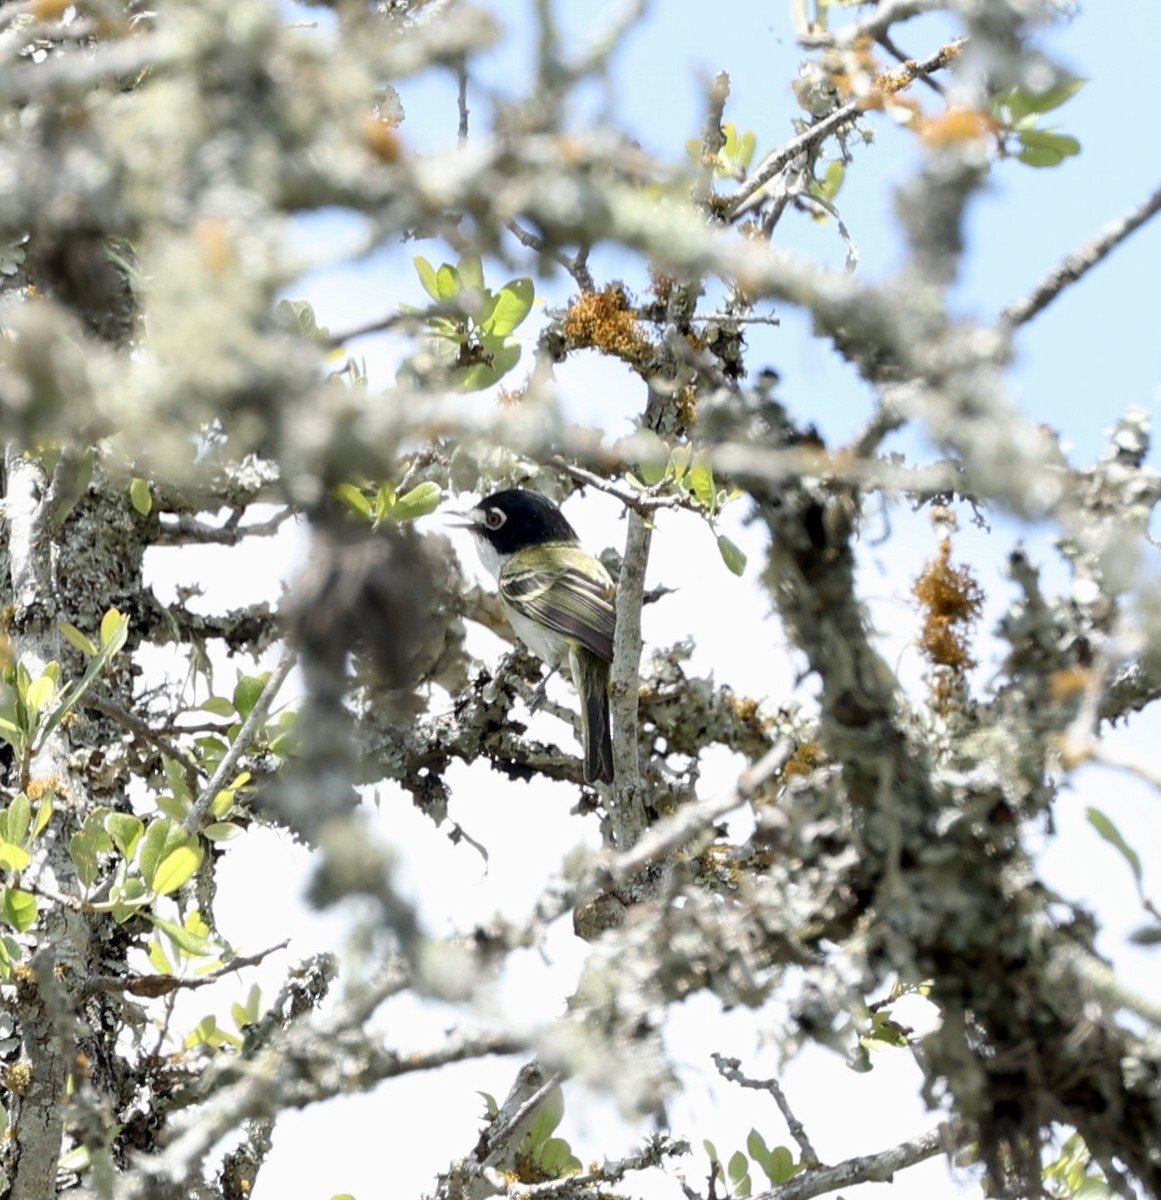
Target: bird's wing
<point>575,599</point>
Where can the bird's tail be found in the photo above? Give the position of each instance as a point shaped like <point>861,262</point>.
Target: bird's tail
<point>591,678</point>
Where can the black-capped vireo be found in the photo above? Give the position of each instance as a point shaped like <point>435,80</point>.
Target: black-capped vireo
<point>559,600</point>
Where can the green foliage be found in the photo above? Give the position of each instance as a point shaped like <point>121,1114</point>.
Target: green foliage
<point>777,1164</point>
<point>1018,111</point>
<point>828,187</point>
<point>247,1014</point>
<point>207,1032</point>
<point>190,939</point>
<point>140,496</point>
<point>541,1155</point>
<point>471,334</point>
<point>1071,1176</point>
<point>18,908</point>
<point>1105,827</point>
<point>31,709</point>
<point>733,160</point>
<point>380,503</point>
<point>689,474</point>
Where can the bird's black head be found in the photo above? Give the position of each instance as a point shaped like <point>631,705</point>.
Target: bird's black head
<point>516,519</point>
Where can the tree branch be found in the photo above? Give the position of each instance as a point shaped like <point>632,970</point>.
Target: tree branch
<point>819,132</point>
<point>867,1168</point>
<point>730,1068</point>
<point>241,743</point>
<point>1080,262</point>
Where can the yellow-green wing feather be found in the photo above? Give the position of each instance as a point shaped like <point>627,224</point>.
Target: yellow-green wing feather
<point>574,597</point>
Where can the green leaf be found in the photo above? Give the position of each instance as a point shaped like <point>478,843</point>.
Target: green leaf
<point>140,496</point>
<point>248,1013</point>
<point>175,869</point>
<point>653,456</point>
<point>128,898</point>
<point>780,1166</point>
<point>125,829</point>
<point>18,908</point>
<point>732,556</point>
<point>39,693</point>
<point>175,807</point>
<point>44,812</point>
<point>13,857</point>
<point>423,499</point>
<point>547,1118</point>
<point>76,639</point>
<point>1043,139</point>
<point>162,837</point>
<point>556,1158</point>
<point>746,148</point>
<point>471,271</point>
<point>219,706</point>
<point>447,283</point>
<point>247,691</point>
<point>756,1146</point>
<point>483,375</point>
<point>353,498</point>
<point>301,316</point>
<point>1105,827</point>
<point>71,485</point>
<point>222,831</point>
<point>711,1150</point>
<point>827,188</point>
<point>184,939</point>
<point>1021,103</point>
<point>491,1108</point>
<point>513,304</point>
<point>739,1166</point>
<point>19,818</point>
<point>225,799</point>
<point>114,630</point>
<point>701,479</point>
<point>427,277</point>
<point>384,503</point>
<point>83,853</point>
<point>158,959</point>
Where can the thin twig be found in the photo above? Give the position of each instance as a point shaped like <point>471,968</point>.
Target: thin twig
<point>712,140</point>
<point>867,1168</point>
<point>675,831</point>
<point>730,1068</point>
<point>886,14</point>
<point>462,100</point>
<point>187,530</point>
<point>576,265</point>
<point>1080,262</point>
<point>157,985</point>
<point>897,54</point>
<point>136,725</point>
<point>241,744</point>
<point>787,153</point>
<point>642,502</point>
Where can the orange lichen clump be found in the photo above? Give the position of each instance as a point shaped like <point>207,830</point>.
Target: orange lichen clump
<point>605,321</point>
<point>804,760</point>
<point>950,600</point>
<point>957,125</point>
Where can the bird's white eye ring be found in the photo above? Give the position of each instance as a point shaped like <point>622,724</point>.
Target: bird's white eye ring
<point>494,518</point>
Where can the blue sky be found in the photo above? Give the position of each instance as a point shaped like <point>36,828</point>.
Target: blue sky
<point>1078,366</point>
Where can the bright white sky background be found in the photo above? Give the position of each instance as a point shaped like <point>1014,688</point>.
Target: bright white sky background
<point>1095,352</point>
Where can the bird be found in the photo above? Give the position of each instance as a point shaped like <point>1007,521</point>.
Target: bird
<point>559,599</point>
